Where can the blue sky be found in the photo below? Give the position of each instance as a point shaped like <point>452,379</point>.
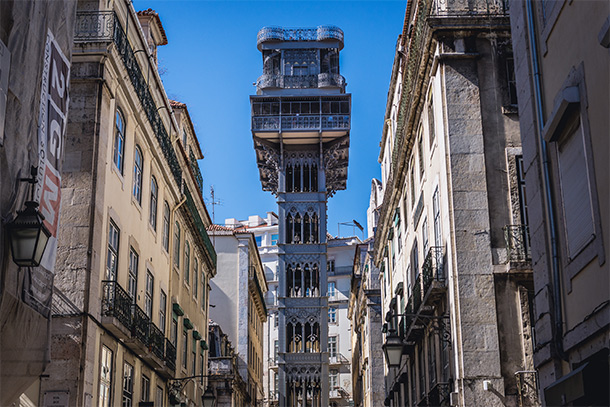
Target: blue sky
<point>211,61</point>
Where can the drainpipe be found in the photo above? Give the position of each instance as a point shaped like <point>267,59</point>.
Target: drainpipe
<point>558,325</point>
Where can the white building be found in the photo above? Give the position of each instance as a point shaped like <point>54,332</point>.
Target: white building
<point>340,260</point>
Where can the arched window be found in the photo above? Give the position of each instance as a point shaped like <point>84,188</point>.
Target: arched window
<point>154,195</point>
<point>306,178</point>
<point>137,175</point>
<point>297,177</point>
<point>289,183</point>
<point>119,141</point>
<point>177,244</point>
<point>166,226</point>
<point>314,177</point>
<point>297,229</point>
<point>308,292</point>
<point>298,289</point>
<point>289,228</point>
<point>306,229</point>
<point>289,281</point>
<point>314,228</point>
<point>315,280</point>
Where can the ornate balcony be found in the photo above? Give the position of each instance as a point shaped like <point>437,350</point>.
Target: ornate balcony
<point>94,26</point>
<point>517,243</point>
<point>116,309</point>
<point>301,123</point>
<point>156,344</point>
<point>170,355</point>
<point>433,273</point>
<point>469,7</point>
<point>340,362</point>
<point>320,33</point>
<point>439,394</point>
<point>196,171</point>
<point>416,296</point>
<point>323,80</point>
<point>331,80</point>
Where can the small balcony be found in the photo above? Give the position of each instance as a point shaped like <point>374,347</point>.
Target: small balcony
<point>322,80</point>
<point>156,343</point>
<point>338,392</point>
<point>170,355</point>
<point>471,8</point>
<point>339,362</point>
<point>517,243</point>
<point>433,275</point>
<point>439,394</point>
<point>140,324</point>
<point>116,309</point>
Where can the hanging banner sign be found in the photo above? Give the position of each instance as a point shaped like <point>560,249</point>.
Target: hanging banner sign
<point>52,121</point>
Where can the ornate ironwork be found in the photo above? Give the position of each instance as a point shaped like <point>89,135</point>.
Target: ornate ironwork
<point>322,80</point>
<point>416,295</point>
<point>320,33</point>
<point>470,7</point>
<point>517,242</point>
<point>94,26</point>
<point>196,171</point>
<point>330,80</point>
<point>196,219</point>
<point>439,394</point>
<point>268,165</point>
<point>170,354</point>
<point>301,122</point>
<point>433,267</point>
<point>116,303</point>
<point>156,340</point>
<point>140,325</point>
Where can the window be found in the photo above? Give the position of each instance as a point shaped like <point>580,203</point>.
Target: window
<point>185,353</point>
<point>332,289</point>
<point>510,80</point>
<point>202,364</point>
<point>177,245</point>
<point>132,285</point>
<point>194,356</point>
<point>333,382</point>
<point>274,239</point>
<point>119,141</point>
<point>259,240</point>
<point>431,129</point>
<point>127,385</point>
<point>187,262</point>
<point>105,376</point>
<point>204,289</point>
<point>137,175</point>
<point>575,191</point>
<point>159,396</point>
<point>276,349</point>
<point>145,388</point>
<point>330,266</point>
<point>154,194</point>
<point>436,208</point>
<point>162,307</point>
<point>112,257</point>
<point>424,234</point>
<point>420,147</point>
<point>195,277</point>
<point>166,226</point>
<point>148,301</point>
<point>332,346</point>
<point>332,315</point>
<point>174,330</point>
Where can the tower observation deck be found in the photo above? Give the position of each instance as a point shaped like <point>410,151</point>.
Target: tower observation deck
<point>300,129</point>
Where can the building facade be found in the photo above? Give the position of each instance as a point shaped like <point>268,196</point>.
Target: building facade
<point>562,83</point>
<point>35,42</point>
<point>134,259</point>
<point>238,299</point>
<point>300,128</point>
<point>223,367</point>
<point>451,241</point>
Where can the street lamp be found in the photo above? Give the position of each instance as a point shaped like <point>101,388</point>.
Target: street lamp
<point>27,234</point>
<point>392,349</point>
<point>208,399</point>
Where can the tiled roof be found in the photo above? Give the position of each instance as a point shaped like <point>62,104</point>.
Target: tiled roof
<point>176,104</point>
<point>153,13</point>
<point>221,228</point>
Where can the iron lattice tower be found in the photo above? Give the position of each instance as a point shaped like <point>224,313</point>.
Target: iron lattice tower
<point>300,129</point>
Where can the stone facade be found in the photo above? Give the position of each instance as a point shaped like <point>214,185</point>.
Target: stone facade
<point>35,42</point>
<point>451,242</point>
<point>238,297</point>
<point>562,83</point>
<point>130,309</point>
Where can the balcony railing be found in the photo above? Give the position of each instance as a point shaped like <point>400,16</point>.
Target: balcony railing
<point>170,354</point>
<point>517,243</point>
<point>470,7</point>
<point>303,122</point>
<point>527,386</point>
<point>416,295</point>
<point>94,26</point>
<point>156,340</point>
<point>432,269</point>
<point>196,171</point>
<point>140,324</point>
<point>190,203</point>
<point>439,394</point>
<point>323,32</point>
<point>116,303</point>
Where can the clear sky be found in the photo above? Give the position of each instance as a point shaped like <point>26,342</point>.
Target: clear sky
<point>211,62</point>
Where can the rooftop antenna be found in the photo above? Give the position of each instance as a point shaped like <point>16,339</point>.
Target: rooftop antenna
<point>354,224</point>
<point>213,202</point>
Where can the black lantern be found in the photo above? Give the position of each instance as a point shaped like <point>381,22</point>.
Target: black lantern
<point>208,399</point>
<point>392,349</point>
<point>27,234</point>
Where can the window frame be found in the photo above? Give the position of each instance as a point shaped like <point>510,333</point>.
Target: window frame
<point>132,275</point>
<point>127,394</point>
<point>149,294</point>
<point>118,149</point>
<point>166,227</point>
<point>138,174</point>
<point>154,200</point>
<point>105,380</point>
<point>114,242</point>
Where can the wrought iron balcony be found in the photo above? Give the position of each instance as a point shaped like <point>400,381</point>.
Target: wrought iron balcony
<point>330,80</point>
<point>94,26</point>
<point>439,394</point>
<point>527,386</point>
<point>517,243</point>
<point>432,269</point>
<point>116,303</point>
<point>320,33</point>
<point>196,219</point>
<point>196,171</point>
<point>170,354</point>
<point>416,296</point>
<point>140,325</point>
<point>156,341</point>
<point>470,7</point>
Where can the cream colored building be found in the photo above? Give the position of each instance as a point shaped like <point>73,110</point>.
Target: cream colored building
<point>134,259</point>
<point>451,240</point>
<point>562,66</point>
<point>238,304</point>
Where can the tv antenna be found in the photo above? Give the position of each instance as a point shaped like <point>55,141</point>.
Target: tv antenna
<point>213,202</point>
<point>354,224</point>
